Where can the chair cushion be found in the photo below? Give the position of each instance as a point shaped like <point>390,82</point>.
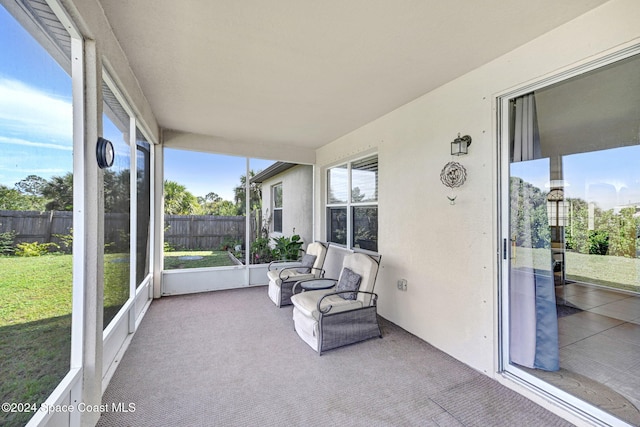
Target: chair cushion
<point>306,263</point>
<point>349,281</point>
<point>273,275</point>
<point>307,302</point>
<point>288,274</point>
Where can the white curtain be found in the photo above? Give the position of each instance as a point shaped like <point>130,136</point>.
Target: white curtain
<point>533,319</point>
<point>526,137</point>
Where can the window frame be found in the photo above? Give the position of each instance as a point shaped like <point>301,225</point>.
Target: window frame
<point>67,48</point>
<point>349,206</point>
<point>275,208</point>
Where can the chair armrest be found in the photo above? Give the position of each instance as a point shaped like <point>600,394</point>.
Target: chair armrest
<point>281,265</point>
<point>286,272</point>
<point>327,309</point>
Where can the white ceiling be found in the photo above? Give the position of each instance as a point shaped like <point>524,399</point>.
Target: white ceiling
<point>303,72</point>
<point>593,111</point>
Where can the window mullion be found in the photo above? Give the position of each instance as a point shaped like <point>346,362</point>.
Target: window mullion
<point>348,207</point>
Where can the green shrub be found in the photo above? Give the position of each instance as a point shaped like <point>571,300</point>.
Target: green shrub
<point>229,243</point>
<point>261,252</point>
<point>288,248</point>
<point>6,242</point>
<point>34,248</point>
<point>598,242</point>
<point>66,241</point>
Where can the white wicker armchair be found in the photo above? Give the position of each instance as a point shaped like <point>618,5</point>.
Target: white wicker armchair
<point>342,315</point>
<point>281,280</point>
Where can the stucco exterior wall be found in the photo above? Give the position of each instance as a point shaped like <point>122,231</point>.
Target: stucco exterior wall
<point>297,202</point>
<point>449,254</point>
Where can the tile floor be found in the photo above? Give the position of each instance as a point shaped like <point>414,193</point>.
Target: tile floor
<point>603,341</point>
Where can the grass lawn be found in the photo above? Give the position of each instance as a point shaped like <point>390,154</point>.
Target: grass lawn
<point>176,260</point>
<point>35,329</point>
<point>613,271</point>
<point>35,324</point>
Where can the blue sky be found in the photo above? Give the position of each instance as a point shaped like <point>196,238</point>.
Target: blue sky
<point>608,177</point>
<point>203,173</point>
<point>35,108</point>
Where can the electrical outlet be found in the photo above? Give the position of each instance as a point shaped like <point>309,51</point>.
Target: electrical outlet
<point>402,284</point>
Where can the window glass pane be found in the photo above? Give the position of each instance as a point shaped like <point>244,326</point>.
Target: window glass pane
<point>117,201</point>
<point>36,203</point>
<point>365,227</point>
<point>361,227</point>
<point>204,207</point>
<point>277,220</point>
<point>364,180</point>
<point>337,225</point>
<point>143,177</point>
<point>277,208</point>
<point>337,184</point>
<point>277,196</point>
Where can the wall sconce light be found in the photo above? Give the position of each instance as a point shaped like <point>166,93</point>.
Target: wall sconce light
<point>460,145</point>
<point>104,153</point>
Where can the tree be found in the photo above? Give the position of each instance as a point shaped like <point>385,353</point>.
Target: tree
<point>620,230</point>
<point>223,208</point>
<point>59,191</point>
<point>209,198</point>
<point>12,199</point>
<point>31,185</point>
<point>179,201</point>
<point>530,226</point>
<point>213,204</point>
<point>255,194</point>
<point>116,191</point>
<point>357,195</point>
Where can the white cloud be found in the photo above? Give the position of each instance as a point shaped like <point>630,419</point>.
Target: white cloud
<point>30,111</point>
<point>23,142</point>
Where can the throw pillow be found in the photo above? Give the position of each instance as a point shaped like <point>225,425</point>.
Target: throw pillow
<point>349,281</point>
<point>306,263</point>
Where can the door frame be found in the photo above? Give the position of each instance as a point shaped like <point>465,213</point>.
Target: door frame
<point>567,401</point>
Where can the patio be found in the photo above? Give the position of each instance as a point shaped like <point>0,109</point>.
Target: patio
<point>232,358</point>
<point>337,88</point>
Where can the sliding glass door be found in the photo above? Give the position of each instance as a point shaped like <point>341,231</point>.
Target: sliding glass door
<point>571,238</point>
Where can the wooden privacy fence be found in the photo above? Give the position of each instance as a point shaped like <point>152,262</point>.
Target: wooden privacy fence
<point>50,226</point>
<point>181,231</point>
<point>42,227</point>
<point>205,231</point>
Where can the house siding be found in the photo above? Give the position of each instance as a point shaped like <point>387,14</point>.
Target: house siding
<point>297,202</point>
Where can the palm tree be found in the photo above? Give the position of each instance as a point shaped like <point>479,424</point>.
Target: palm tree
<point>59,190</point>
<point>179,201</point>
<point>255,194</point>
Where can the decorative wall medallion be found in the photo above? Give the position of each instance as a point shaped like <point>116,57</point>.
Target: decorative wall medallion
<point>453,175</point>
